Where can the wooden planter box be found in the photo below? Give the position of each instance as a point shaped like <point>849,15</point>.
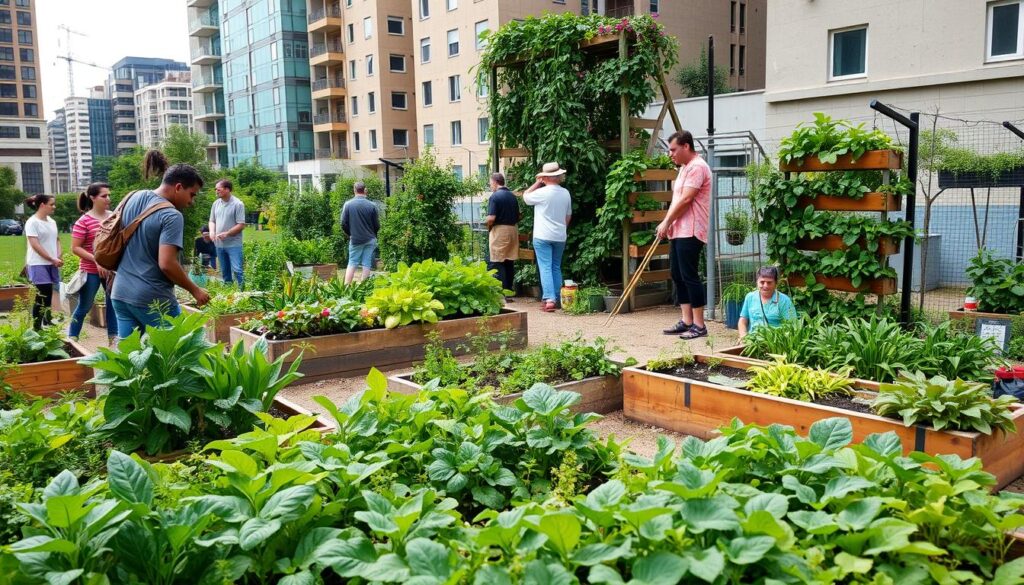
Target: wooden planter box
<point>353,354</point>
<point>218,329</point>
<point>9,294</point>
<point>49,378</point>
<point>699,408</point>
<point>1011,178</point>
<point>961,314</point>
<point>600,394</point>
<point>878,286</point>
<point>869,202</point>
<point>872,160</point>
<point>657,175</point>
<point>322,271</point>
<point>887,246</point>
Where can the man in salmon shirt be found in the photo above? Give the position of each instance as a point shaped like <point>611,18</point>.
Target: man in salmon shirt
<point>686,227</point>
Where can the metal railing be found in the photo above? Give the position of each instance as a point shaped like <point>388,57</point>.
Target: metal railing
<point>321,84</point>
<point>213,138</point>
<point>202,80</point>
<point>332,12</point>
<point>201,21</point>
<point>321,48</point>
<point>619,11</point>
<point>340,151</point>
<point>208,111</point>
<point>335,118</point>
<point>206,49</point>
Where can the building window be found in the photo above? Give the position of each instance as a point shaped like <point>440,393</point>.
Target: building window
<point>396,63</point>
<point>453,42</point>
<point>743,17</point>
<point>369,65</point>
<point>8,109</point>
<point>457,171</point>
<point>452,4</point>
<point>6,53</point>
<point>8,72</point>
<point>24,37</point>
<point>371,102</point>
<point>22,3</point>
<point>399,100</point>
<point>355,105</point>
<point>396,26</point>
<point>483,173</point>
<point>428,93</point>
<point>28,73</point>
<point>355,142</point>
<point>32,180</point>
<point>351,29</point>
<point>457,133</point>
<point>24,18</point>
<point>849,50</point>
<point>10,131</point>
<point>743,59</point>
<point>28,55</point>
<point>279,139</point>
<point>732,16</point>
<point>454,88</point>
<point>428,134</point>
<point>479,29</point>
<point>399,137</point>
<point>424,9</point>
<point>367,27</point>
<point>352,69</point>
<point>655,6</point>
<point>373,139</point>
<point>8,90</point>
<point>732,59</point>
<point>5,17</point>
<point>483,125</point>
<point>1005,31</point>
<point>6,36</point>
<point>425,50</point>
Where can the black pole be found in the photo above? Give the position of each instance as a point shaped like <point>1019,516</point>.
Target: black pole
<point>908,243</point>
<point>711,85</point>
<point>1020,205</point>
<point>1014,129</point>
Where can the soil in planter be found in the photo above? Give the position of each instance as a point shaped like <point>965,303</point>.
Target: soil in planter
<point>700,372</point>
<point>845,402</point>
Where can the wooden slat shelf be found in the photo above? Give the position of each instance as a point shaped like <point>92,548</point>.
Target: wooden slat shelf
<point>879,286</point>
<point>641,251</point>
<point>616,143</point>
<point>657,175</point>
<point>649,216</point>
<point>513,153</point>
<point>872,160</point>
<point>887,246</point>
<point>660,196</point>
<point>644,123</point>
<point>651,276</point>
<point>870,202</point>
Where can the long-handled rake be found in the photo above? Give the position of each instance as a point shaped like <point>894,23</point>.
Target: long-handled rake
<point>633,282</point>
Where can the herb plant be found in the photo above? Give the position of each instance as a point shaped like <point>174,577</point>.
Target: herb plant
<point>787,380</point>
<point>396,307</point>
<point>945,404</point>
<point>997,283</point>
<point>829,139</point>
<point>21,344</point>
<point>463,288</point>
<point>308,320</point>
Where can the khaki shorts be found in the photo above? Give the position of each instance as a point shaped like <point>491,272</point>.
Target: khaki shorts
<point>504,243</point>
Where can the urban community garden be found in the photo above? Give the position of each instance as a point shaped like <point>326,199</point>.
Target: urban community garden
<point>845,446</point>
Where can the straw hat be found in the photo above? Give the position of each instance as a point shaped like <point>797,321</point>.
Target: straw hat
<point>551,170</point>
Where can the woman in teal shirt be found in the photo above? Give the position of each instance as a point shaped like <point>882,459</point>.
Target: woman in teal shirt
<point>766,305</point>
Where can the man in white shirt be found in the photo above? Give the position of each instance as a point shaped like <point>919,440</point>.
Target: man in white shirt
<point>552,213</point>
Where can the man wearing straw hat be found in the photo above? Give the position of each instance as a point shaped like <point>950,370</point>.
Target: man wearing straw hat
<point>686,227</point>
<point>552,213</point>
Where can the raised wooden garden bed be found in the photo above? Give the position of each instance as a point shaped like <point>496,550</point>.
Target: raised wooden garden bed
<point>872,160</point>
<point>698,408</point>
<point>869,202</point>
<point>353,354</point>
<point>9,294</point>
<point>878,286</point>
<point>49,378</point>
<point>218,329</point>
<point>600,394</point>
<point>887,246</point>
<point>962,314</point>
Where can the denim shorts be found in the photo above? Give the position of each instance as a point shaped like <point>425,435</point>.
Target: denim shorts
<point>362,254</point>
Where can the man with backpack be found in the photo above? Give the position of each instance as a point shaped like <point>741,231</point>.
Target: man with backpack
<point>148,267</point>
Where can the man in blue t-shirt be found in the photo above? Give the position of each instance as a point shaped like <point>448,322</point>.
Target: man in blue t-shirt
<point>766,306</point>
<point>360,220</point>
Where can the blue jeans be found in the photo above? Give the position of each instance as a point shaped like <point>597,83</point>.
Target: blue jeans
<point>549,264</point>
<point>362,254</point>
<point>230,260</point>
<point>131,317</point>
<point>86,298</point>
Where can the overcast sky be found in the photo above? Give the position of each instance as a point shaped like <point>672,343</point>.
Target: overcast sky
<point>114,29</point>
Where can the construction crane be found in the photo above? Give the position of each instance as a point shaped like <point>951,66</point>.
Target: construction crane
<point>70,57</point>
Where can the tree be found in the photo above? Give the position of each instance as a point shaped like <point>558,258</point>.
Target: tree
<point>125,173</point>
<point>694,78</point>
<point>10,195</point>
<point>101,166</point>
<point>255,184</point>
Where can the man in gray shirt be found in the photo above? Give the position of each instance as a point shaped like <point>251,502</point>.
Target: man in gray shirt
<point>149,268</point>
<point>227,220</point>
<point>360,221</point>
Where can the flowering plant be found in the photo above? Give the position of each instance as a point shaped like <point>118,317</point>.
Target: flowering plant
<point>309,319</point>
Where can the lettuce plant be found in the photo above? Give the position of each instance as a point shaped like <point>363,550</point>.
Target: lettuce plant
<point>945,404</point>
<point>395,307</point>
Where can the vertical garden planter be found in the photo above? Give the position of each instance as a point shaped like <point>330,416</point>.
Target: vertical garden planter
<point>218,329</point>
<point>699,408</point>
<point>10,294</point>
<point>353,354</point>
<point>49,378</point>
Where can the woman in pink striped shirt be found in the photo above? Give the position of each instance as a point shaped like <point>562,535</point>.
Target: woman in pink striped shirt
<point>94,203</point>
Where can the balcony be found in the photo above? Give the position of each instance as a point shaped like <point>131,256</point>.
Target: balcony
<point>206,54</point>
<point>330,122</point>
<point>619,9</point>
<point>207,83</point>
<point>203,26</point>
<point>200,3</point>
<point>325,20</point>
<point>330,53</point>
<point>326,88</point>
<point>214,140</point>
<point>340,151</point>
<point>203,112</point>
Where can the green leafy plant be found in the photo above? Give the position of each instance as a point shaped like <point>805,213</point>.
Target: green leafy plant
<point>396,307</point>
<point>307,320</point>
<point>736,292</point>
<point>264,264</point>
<point>737,223</point>
<point>463,288</point>
<point>997,283</point>
<point>829,139</point>
<point>944,404</point>
<point>781,378</point>
<point>21,344</point>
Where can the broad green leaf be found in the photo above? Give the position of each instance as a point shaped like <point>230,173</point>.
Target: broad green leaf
<point>387,568</point>
<point>707,564</point>
<point>174,416</point>
<point>289,503</point>
<point>255,531</point>
<point>746,551</point>
<point>43,544</point>
<point>1010,573</point>
<point>546,400</point>
<point>831,433</point>
<point>839,487</point>
<point>851,564</point>
<point>427,558</point>
<point>776,504</point>
<point>660,568</point>
<point>815,522</point>
<point>538,573</point>
<point>128,480</point>
<point>604,574</point>
<point>705,514</point>
<point>492,575</point>
<point>300,578</point>
<point>599,552</point>
<point>858,514</point>
<point>563,531</point>
<point>606,495</point>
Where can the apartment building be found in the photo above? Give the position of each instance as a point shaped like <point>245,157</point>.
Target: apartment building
<point>162,105</point>
<point>128,76</point>
<point>208,78</point>
<point>961,59</point>
<point>101,123</point>
<point>57,143</point>
<point>23,145</point>
<point>79,141</point>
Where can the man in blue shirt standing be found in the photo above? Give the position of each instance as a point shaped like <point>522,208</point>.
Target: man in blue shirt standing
<point>360,220</point>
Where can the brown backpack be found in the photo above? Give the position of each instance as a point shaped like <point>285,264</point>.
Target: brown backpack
<point>113,236</point>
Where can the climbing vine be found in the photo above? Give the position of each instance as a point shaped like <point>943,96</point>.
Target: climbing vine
<point>561,103</point>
